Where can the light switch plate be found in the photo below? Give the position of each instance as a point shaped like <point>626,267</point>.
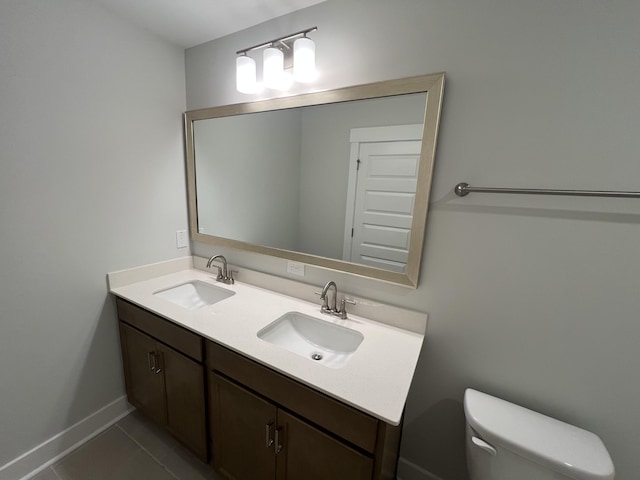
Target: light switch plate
<point>182,240</point>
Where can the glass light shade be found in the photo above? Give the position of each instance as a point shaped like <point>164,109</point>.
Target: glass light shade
<point>304,60</point>
<point>246,75</point>
<point>273,68</point>
<point>285,81</point>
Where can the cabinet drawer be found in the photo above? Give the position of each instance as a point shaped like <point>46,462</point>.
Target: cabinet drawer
<point>167,332</point>
<point>342,420</point>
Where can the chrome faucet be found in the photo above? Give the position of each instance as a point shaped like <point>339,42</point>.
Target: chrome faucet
<point>333,309</point>
<point>224,274</point>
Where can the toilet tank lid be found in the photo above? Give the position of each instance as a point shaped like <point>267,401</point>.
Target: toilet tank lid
<point>559,446</point>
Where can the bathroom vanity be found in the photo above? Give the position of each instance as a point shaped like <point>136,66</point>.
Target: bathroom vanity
<point>254,408</point>
<point>165,374</point>
<point>253,377</point>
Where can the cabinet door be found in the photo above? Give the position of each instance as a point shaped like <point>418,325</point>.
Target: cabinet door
<point>145,387</point>
<point>309,454</point>
<point>184,386</point>
<point>243,427</point>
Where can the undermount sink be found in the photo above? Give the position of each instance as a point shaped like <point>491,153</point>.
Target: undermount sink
<point>321,341</point>
<point>195,294</point>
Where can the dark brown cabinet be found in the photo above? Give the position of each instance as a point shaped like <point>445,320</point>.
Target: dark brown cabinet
<point>252,422</point>
<point>162,382</point>
<point>253,439</point>
<point>242,431</point>
<point>145,387</point>
<point>265,425</point>
<point>311,454</point>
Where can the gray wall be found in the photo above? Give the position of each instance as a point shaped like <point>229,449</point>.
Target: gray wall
<point>531,299</point>
<point>91,181</point>
<point>247,174</point>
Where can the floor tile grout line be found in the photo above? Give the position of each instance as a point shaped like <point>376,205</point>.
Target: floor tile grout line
<point>76,450</point>
<point>146,451</point>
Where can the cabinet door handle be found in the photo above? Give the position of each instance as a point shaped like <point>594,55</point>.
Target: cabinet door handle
<point>278,444</point>
<point>160,359</point>
<point>268,439</point>
<point>151,357</point>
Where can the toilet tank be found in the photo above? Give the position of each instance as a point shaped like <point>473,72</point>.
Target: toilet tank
<point>508,442</point>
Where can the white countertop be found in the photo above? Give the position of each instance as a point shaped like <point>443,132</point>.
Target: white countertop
<point>376,379</point>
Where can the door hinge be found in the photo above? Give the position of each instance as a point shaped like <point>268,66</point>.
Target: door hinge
<point>351,232</point>
<point>358,164</point>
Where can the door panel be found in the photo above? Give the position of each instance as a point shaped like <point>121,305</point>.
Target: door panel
<point>145,388</point>
<point>243,427</point>
<point>384,202</point>
<point>184,384</point>
<point>385,235</point>
<point>388,203</point>
<point>310,454</point>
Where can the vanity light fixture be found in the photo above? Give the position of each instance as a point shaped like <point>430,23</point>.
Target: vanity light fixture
<point>304,60</point>
<point>273,68</point>
<point>285,59</point>
<point>246,79</point>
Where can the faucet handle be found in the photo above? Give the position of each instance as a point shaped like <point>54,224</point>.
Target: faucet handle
<point>325,302</point>
<point>230,280</point>
<point>342,312</point>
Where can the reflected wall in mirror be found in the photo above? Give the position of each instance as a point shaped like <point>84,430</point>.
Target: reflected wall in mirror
<point>339,179</point>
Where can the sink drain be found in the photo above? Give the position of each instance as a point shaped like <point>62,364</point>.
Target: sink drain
<point>316,356</point>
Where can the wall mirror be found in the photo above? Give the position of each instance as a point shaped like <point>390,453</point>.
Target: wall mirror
<point>338,179</point>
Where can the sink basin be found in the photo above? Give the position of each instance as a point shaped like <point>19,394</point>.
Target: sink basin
<point>194,295</point>
<point>321,341</point>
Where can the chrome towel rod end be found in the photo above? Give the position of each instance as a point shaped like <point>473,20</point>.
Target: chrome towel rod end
<point>461,189</point>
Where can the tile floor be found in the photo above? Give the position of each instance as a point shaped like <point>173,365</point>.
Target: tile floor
<point>132,449</point>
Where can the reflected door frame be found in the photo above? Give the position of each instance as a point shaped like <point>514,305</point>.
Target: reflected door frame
<point>358,137</point>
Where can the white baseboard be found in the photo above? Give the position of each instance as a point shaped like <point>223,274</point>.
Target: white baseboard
<point>410,471</point>
<point>50,451</point>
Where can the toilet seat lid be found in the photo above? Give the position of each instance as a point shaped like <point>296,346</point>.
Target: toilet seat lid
<point>559,446</point>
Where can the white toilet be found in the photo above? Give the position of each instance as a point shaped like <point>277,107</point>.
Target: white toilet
<point>509,442</point>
